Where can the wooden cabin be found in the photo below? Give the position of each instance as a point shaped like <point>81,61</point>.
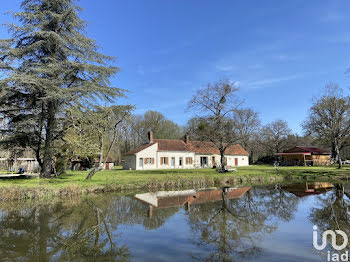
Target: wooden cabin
<point>305,156</point>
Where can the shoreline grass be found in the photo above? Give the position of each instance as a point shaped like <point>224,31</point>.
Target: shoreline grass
<point>73,183</point>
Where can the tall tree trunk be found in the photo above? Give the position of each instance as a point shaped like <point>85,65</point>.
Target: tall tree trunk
<point>100,159</point>
<point>97,168</point>
<point>49,139</point>
<point>114,137</point>
<point>38,158</point>
<point>334,152</point>
<point>110,146</point>
<point>39,137</point>
<point>338,155</point>
<point>222,160</point>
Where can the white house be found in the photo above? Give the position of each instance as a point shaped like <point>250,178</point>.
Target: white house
<point>167,153</point>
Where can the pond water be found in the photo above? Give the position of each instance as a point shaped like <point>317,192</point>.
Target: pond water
<point>260,223</point>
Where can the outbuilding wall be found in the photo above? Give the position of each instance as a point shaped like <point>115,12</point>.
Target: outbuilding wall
<point>129,162</point>
<point>149,152</point>
<point>323,160</point>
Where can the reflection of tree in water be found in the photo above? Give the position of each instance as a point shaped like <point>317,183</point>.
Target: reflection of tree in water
<point>90,238</point>
<point>61,231</point>
<point>333,212</point>
<point>129,211</point>
<point>230,230</point>
<point>81,230</point>
<point>87,229</point>
<point>25,233</point>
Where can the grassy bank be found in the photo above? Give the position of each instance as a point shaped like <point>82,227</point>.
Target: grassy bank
<point>74,183</point>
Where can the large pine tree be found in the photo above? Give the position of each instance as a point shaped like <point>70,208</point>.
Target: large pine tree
<point>48,65</point>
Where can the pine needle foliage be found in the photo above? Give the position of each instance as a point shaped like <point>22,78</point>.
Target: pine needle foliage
<point>47,66</point>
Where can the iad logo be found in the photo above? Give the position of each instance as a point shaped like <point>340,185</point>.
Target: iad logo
<point>332,234</point>
<point>334,238</point>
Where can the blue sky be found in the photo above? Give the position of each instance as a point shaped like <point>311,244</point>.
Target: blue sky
<point>281,53</point>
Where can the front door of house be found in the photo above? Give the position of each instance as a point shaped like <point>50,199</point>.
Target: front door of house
<point>173,162</point>
<point>141,163</point>
<point>204,161</point>
<point>213,161</point>
<point>236,161</point>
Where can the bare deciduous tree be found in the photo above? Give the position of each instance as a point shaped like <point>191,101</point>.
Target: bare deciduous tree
<point>274,136</point>
<point>217,103</point>
<point>329,119</point>
<point>247,123</point>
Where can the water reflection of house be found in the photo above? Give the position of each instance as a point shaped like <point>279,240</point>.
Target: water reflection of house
<point>347,190</point>
<point>301,155</point>
<point>307,189</point>
<point>166,199</point>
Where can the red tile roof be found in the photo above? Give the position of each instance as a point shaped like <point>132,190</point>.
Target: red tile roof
<point>199,147</point>
<point>171,145</point>
<point>138,149</point>
<point>304,149</point>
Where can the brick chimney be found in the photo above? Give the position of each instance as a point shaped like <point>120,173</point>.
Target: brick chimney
<point>186,139</point>
<point>150,137</point>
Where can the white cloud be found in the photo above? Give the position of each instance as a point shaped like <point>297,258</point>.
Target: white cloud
<point>271,81</point>
<point>256,66</point>
<point>225,68</point>
<point>285,57</point>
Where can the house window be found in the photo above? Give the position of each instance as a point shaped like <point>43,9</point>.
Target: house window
<point>164,160</point>
<point>149,161</point>
<point>189,161</point>
<point>180,161</point>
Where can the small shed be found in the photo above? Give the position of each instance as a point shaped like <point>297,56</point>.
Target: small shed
<point>109,163</point>
<point>306,156</point>
<point>28,164</point>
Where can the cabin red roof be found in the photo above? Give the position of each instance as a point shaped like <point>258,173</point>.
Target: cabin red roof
<point>304,149</point>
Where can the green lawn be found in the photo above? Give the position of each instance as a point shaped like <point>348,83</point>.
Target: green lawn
<point>130,177</point>
<point>73,182</point>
